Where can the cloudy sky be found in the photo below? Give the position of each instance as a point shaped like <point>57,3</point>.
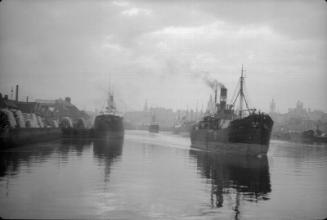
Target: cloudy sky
<point>162,50</point>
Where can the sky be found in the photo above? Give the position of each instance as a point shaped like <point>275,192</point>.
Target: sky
<point>161,51</point>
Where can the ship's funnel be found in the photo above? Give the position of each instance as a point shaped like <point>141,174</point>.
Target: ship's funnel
<point>16,93</point>
<point>223,97</point>
<point>223,93</point>
<point>216,95</point>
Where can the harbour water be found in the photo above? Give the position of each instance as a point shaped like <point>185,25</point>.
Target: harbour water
<point>158,176</point>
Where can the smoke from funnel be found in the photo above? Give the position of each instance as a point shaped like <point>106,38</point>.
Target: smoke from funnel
<point>212,83</point>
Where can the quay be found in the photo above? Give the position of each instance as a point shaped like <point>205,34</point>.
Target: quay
<point>27,122</point>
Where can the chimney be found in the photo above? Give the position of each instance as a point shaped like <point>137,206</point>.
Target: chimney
<point>67,99</point>
<point>216,95</point>
<point>12,93</point>
<point>223,97</point>
<point>17,93</point>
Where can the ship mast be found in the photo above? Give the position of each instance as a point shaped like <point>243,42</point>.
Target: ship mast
<point>241,95</point>
<point>111,107</point>
<point>241,92</point>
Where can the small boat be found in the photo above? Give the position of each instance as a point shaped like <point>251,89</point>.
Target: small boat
<point>227,130</point>
<point>154,126</point>
<point>312,136</point>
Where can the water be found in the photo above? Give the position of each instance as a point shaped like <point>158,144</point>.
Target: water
<point>157,176</point>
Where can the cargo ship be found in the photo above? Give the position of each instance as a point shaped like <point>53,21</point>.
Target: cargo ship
<point>242,131</point>
<point>109,123</point>
<point>154,126</point>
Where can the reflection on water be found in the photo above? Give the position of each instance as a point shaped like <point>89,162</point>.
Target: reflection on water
<point>74,145</point>
<point>107,152</point>
<point>157,176</point>
<point>246,176</point>
<point>11,161</point>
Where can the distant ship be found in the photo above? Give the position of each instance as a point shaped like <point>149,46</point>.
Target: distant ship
<point>154,126</point>
<point>309,136</point>
<point>231,131</point>
<point>312,136</point>
<point>109,123</point>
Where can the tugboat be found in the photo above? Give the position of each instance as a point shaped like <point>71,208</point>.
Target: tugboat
<point>109,123</point>
<point>154,126</point>
<point>311,136</point>
<point>230,131</point>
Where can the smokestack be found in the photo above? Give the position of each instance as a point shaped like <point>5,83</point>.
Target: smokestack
<point>68,99</point>
<point>216,95</point>
<point>17,93</point>
<point>223,97</point>
<point>12,93</point>
<point>26,98</point>
<point>223,93</point>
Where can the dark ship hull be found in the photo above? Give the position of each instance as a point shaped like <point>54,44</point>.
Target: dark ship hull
<point>154,128</point>
<point>249,135</point>
<point>108,126</point>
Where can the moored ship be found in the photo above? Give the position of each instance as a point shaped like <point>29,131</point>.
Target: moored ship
<point>227,130</point>
<point>109,123</point>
